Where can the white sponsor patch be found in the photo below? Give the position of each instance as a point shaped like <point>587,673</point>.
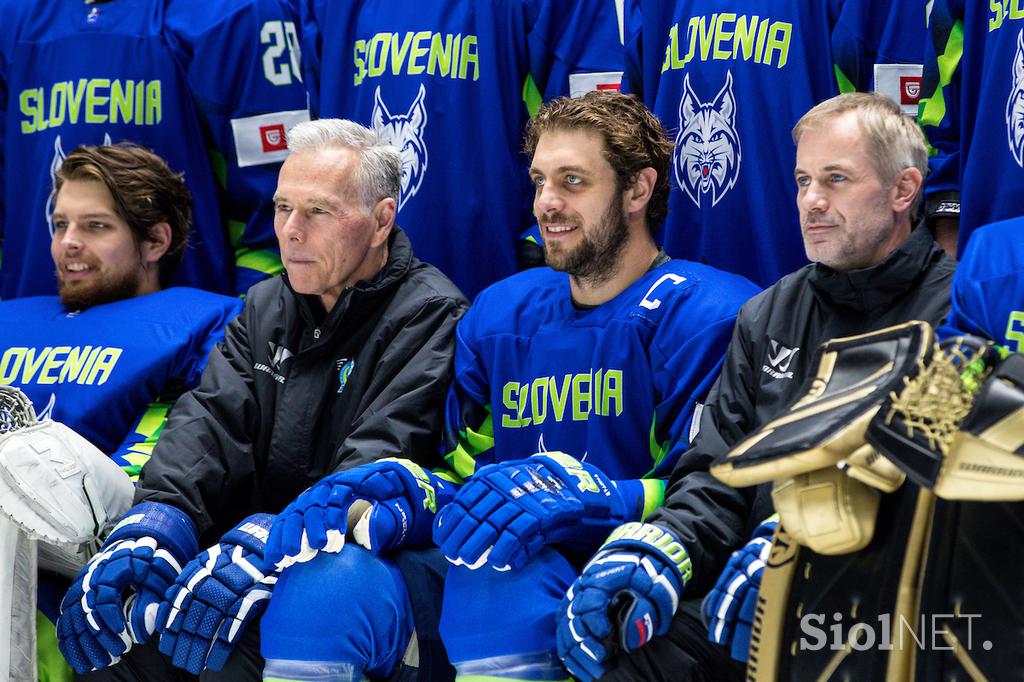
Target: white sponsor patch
<point>900,83</point>
<point>262,139</point>
<point>582,83</point>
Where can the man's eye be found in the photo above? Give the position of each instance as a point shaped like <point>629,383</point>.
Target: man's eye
<point>803,181</point>
<point>316,210</point>
<point>95,225</point>
<point>836,177</point>
<point>282,208</point>
<point>573,179</point>
<point>60,225</point>
<point>538,182</point>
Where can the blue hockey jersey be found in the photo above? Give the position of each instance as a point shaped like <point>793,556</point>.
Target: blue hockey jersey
<point>209,85</point>
<point>988,287</point>
<point>729,79</point>
<point>451,84</point>
<point>973,112</point>
<point>111,371</point>
<point>616,385</point>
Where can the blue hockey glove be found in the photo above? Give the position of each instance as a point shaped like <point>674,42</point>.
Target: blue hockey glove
<point>508,511</point>
<point>113,602</point>
<point>384,504</point>
<point>217,594</point>
<point>729,608</point>
<point>625,595</point>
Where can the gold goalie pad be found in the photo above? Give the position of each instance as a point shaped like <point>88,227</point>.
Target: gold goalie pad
<point>827,511</point>
<point>980,468</point>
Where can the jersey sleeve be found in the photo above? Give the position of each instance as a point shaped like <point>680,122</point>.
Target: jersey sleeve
<point>468,424</point>
<point>939,112</point>
<point>871,32</point>
<point>244,69</point>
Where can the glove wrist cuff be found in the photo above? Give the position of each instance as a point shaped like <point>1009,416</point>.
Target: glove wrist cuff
<point>251,534</point>
<point>656,540</point>
<point>169,526</point>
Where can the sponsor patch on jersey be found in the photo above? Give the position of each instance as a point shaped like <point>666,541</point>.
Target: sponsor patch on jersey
<point>582,83</point>
<point>779,358</point>
<point>901,83</point>
<point>263,139</point>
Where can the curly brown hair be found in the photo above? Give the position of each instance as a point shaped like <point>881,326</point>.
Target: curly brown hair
<point>634,139</point>
<point>145,192</point>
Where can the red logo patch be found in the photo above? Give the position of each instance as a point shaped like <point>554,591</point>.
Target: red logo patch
<point>608,86</point>
<point>272,137</point>
<point>910,89</point>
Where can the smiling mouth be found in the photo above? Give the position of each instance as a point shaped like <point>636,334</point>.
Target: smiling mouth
<point>559,229</point>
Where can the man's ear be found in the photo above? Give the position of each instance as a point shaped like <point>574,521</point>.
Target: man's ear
<point>383,220</point>
<point>156,243</point>
<point>905,189</point>
<point>639,192</point>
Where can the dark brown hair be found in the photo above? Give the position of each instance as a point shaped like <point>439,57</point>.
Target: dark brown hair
<point>634,139</point>
<point>145,192</point>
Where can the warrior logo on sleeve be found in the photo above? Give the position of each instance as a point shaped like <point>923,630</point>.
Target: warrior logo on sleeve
<point>707,153</point>
<point>1015,105</point>
<point>405,132</point>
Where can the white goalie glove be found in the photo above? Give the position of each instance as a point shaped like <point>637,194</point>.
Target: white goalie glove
<point>54,484</point>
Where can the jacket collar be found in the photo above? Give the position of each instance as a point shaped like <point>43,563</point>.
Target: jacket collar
<point>869,289</point>
<point>400,260</point>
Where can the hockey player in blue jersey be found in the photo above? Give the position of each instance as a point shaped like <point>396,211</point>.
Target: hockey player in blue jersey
<point>712,71</point>
<point>108,356</point>
<point>576,387</point>
<point>972,112</point>
<point>210,85</point>
<point>452,83</point>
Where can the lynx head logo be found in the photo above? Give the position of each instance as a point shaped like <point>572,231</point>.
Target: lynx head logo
<point>55,164</point>
<point>707,153</point>
<point>1015,105</point>
<point>405,131</point>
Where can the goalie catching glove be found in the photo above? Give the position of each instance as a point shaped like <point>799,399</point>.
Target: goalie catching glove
<point>54,484</point>
<point>215,597</point>
<point>627,594</point>
<point>383,505</point>
<point>113,603</point>
<point>508,511</point>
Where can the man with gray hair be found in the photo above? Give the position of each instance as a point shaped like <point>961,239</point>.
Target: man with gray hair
<point>343,359</point>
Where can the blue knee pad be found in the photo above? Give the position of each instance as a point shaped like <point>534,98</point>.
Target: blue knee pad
<point>502,624</point>
<point>335,618</point>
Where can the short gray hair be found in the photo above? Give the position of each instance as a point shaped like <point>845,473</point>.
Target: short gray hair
<point>379,175</point>
<point>894,140</point>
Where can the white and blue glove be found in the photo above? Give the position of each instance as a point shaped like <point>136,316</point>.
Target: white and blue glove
<point>625,595</point>
<point>216,595</point>
<point>383,505</point>
<point>729,607</point>
<point>508,511</point>
<point>113,603</point>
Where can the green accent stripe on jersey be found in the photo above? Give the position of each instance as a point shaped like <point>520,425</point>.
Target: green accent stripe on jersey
<point>471,444</point>
<point>844,83</point>
<point>932,109</point>
<point>658,450</point>
<point>236,228</point>
<point>654,494</point>
<point>220,167</point>
<point>531,96</point>
<point>150,426</point>
<point>261,260</point>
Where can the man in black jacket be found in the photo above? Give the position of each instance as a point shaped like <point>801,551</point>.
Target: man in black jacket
<point>860,167</point>
<point>344,359</point>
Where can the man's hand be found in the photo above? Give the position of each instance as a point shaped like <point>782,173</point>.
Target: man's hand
<point>384,504</point>
<point>113,602</point>
<point>509,511</point>
<point>729,607</point>
<point>216,595</point>
<point>625,595</point>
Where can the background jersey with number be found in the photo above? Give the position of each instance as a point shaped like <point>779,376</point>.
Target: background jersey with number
<point>111,371</point>
<point>451,84</point>
<point>973,112</point>
<point>615,385</point>
<point>729,79</point>
<point>209,85</point>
